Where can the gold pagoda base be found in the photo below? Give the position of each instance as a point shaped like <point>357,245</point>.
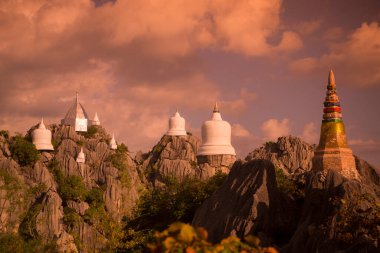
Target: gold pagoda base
<point>338,159</point>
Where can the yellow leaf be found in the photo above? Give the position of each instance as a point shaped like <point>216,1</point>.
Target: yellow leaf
<point>190,250</point>
<point>270,250</point>
<point>187,233</point>
<point>252,240</point>
<point>203,233</point>
<point>169,242</point>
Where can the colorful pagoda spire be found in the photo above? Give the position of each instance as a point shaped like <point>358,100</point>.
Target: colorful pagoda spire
<point>333,152</point>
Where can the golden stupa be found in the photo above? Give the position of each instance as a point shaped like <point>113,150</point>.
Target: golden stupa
<point>333,152</point>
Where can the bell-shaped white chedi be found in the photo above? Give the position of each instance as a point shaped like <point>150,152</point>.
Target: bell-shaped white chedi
<point>81,156</point>
<point>76,116</point>
<point>176,125</point>
<point>113,144</point>
<point>216,136</point>
<point>95,121</point>
<point>41,137</point>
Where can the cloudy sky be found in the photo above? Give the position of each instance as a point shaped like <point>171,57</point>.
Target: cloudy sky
<point>135,61</point>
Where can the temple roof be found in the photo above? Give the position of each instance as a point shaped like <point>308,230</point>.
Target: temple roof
<point>76,111</point>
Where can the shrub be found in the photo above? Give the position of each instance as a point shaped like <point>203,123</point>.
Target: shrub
<point>91,131</point>
<point>24,151</point>
<point>73,188</point>
<point>122,149</point>
<point>70,217</point>
<point>289,186</point>
<point>95,197</point>
<point>4,133</point>
<point>14,243</point>
<point>180,237</point>
<point>177,201</point>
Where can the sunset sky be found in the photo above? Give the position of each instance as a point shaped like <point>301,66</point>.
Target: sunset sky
<point>136,61</point>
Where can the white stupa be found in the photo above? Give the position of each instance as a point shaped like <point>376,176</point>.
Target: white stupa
<point>81,156</point>
<point>76,116</point>
<point>96,121</point>
<point>176,125</point>
<point>41,137</point>
<point>113,144</point>
<point>216,136</point>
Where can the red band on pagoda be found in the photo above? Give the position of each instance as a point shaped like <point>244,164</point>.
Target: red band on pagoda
<point>332,109</point>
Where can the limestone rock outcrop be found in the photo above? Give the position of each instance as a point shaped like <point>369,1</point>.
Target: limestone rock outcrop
<point>173,156</point>
<point>289,153</point>
<point>248,202</point>
<point>46,200</point>
<point>277,196</point>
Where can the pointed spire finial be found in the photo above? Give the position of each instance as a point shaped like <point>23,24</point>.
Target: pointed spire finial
<point>216,107</point>
<point>331,79</point>
<point>77,96</point>
<point>42,125</point>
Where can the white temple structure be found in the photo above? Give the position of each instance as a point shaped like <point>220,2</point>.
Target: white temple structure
<point>76,116</point>
<point>81,156</point>
<point>41,137</point>
<point>216,136</point>
<point>113,144</point>
<point>176,125</point>
<point>95,121</point>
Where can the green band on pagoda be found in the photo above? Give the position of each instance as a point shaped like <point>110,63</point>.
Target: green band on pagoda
<point>332,120</point>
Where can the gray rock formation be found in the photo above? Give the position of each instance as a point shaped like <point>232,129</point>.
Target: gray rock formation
<point>277,197</point>
<point>248,202</point>
<point>176,156</point>
<point>209,164</point>
<point>173,156</point>
<point>31,199</point>
<point>289,153</point>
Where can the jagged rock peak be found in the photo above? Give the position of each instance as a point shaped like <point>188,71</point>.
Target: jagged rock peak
<point>289,153</point>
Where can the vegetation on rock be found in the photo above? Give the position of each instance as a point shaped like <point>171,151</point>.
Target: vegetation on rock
<point>159,207</point>
<point>23,151</point>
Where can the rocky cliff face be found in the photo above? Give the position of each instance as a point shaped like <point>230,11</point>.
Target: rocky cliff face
<point>275,195</point>
<point>56,199</point>
<point>176,156</point>
<point>290,154</point>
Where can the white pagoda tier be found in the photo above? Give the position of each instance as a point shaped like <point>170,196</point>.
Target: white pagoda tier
<point>76,116</point>
<point>176,125</point>
<point>216,136</point>
<point>81,156</point>
<point>41,137</point>
<point>95,121</point>
<point>113,144</point>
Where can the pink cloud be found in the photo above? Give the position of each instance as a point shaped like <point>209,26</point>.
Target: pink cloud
<point>273,128</point>
<point>360,53</point>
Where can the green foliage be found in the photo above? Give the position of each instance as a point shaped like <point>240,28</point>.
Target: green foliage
<point>54,168</point>
<point>55,143</point>
<point>125,178</point>
<point>37,190</point>
<point>80,143</point>
<point>70,217</point>
<point>177,201</point>
<point>288,186</point>
<point>136,241</point>
<point>14,243</point>
<point>73,188</point>
<point>15,193</point>
<point>122,149</point>
<point>27,227</point>
<point>180,237</point>
<point>358,215</point>
<point>91,131</point>
<point>95,197</point>
<point>4,133</point>
<point>24,151</point>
